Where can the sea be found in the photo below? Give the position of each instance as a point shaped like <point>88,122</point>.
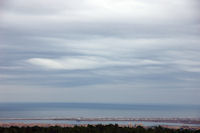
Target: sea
<point>9,112</point>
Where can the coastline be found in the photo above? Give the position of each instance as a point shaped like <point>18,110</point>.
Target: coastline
<point>166,120</point>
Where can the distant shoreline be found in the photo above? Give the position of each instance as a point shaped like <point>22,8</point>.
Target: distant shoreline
<point>166,120</point>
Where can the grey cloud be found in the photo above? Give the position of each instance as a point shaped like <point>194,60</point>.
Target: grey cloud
<point>138,45</point>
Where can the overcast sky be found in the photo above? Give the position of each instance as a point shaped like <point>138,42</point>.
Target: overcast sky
<point>107,51</point>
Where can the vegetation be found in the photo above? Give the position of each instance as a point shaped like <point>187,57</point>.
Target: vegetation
<point>93,129</point>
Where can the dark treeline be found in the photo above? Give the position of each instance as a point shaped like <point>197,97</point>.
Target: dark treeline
<point>93,129</point>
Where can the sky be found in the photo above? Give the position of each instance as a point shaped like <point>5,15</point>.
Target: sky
<point>100,51</point>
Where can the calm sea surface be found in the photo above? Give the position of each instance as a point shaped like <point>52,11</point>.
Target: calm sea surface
<point>91,110</point>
